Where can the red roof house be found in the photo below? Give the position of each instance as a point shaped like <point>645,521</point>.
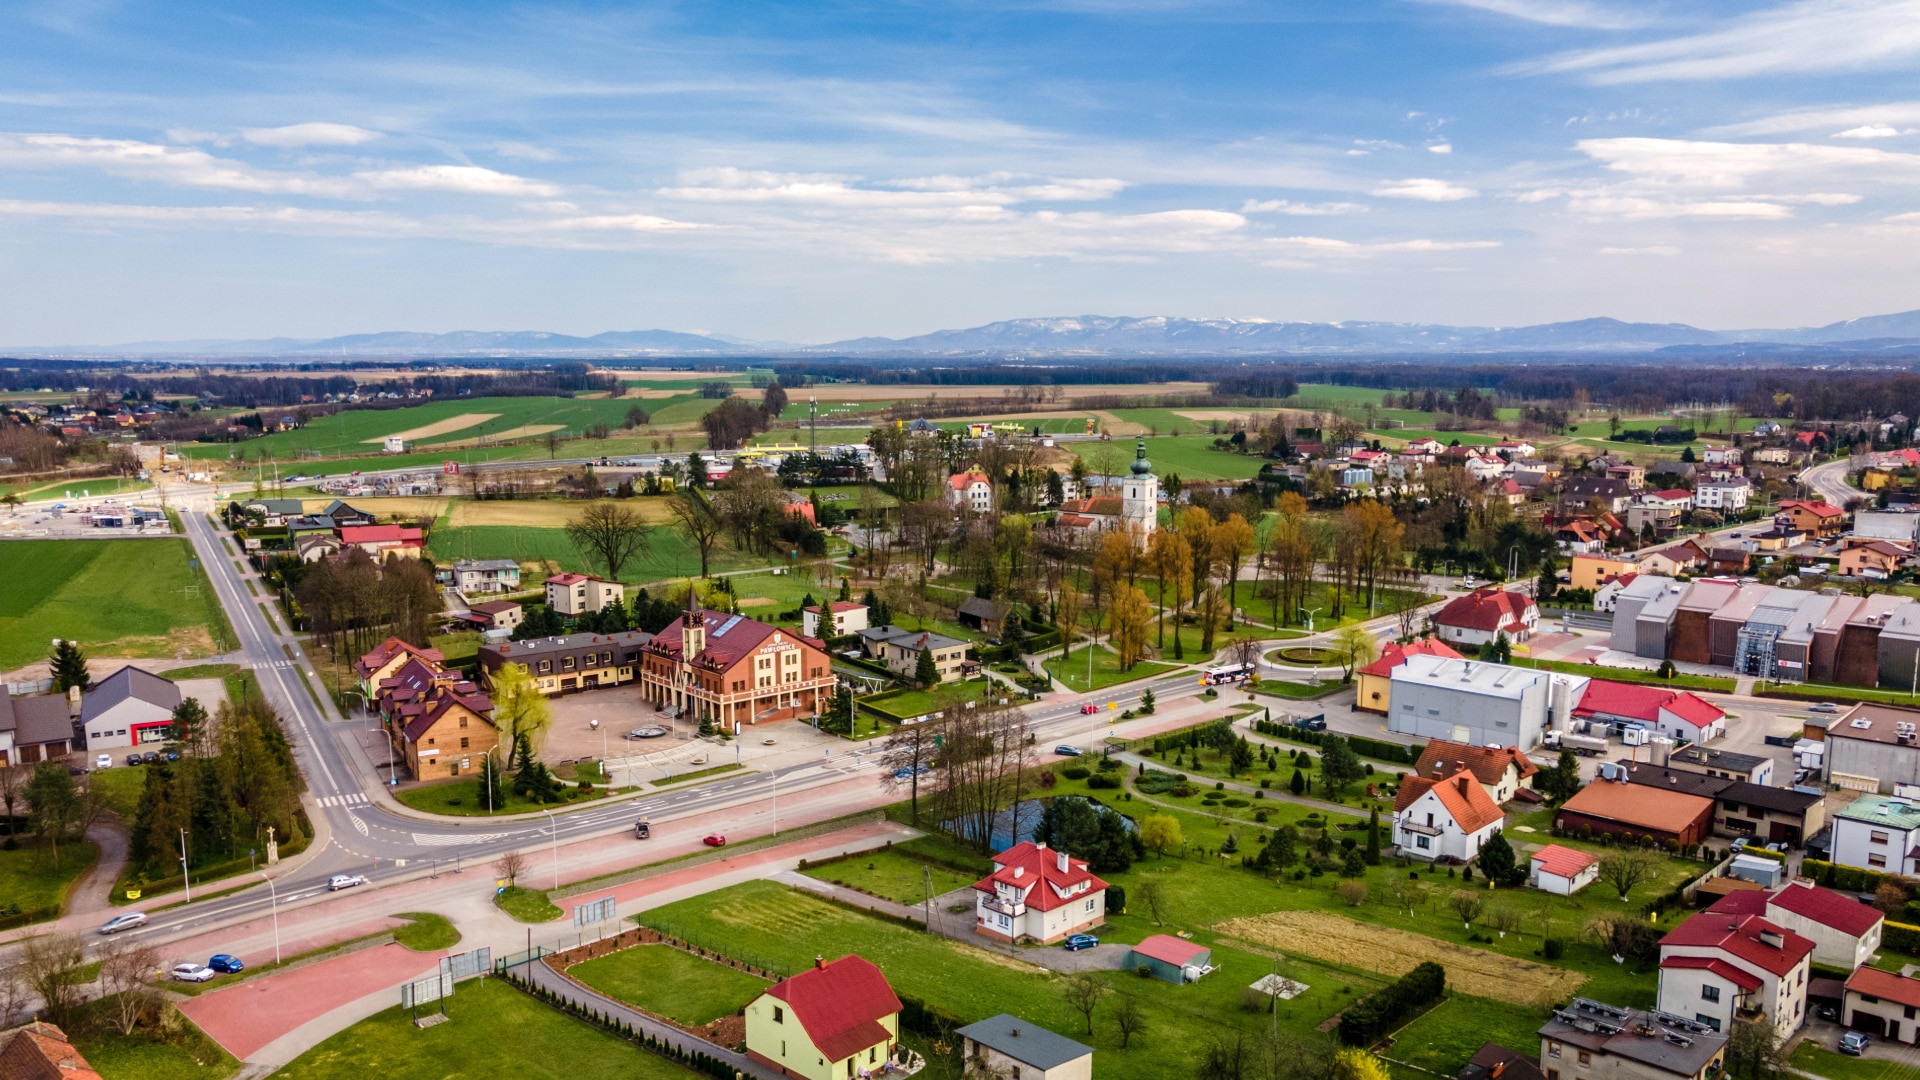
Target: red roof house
<point>385,658</point>
<point>1719,966</point>
<point>381,540</point>
<point>1484,613</point>
<point>1679,715</point>
<point>833,1019</point>
<point>1883,1003</point>
<point>1503,770</point>
<point>1039,894</point>
<point>1562,870</point>
<point>1448,816</point>
<point>40,1051</point>
<point>1845,932</point>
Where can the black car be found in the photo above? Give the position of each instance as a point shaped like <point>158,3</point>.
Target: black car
<point>1312,723</point>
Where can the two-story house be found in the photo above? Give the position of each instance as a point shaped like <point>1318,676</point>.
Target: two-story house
<point>1813,517</point>
<point>1879,833</point>
<point>1448,816</point>
<point>1589,1040</point>
<point>440,724</point>
<point>900,649</point>
<point>1038,894</point>
<point>1845,932</point>
<point>837,618</point>
<point>1728,496</point>
<point>1484,614</point>
<point>972,489</point>
<point>1501,770</point>
<point>834,1020</point>
<point>1718,968</point>
<point>474,576</point>
<point>576,594</point>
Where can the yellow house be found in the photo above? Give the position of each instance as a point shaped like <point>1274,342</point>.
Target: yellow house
<point>1592,571</point>
<point>1375,681</point>
<point>833,1021</point>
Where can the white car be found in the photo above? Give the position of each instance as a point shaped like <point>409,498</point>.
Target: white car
<point>344,881</point>
<point>104,761</point>
<point>191,972</point>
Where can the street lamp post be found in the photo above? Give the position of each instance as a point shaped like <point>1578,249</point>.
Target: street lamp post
<point>274,894</point>
<point>554,827</point>
<point>186,882</point>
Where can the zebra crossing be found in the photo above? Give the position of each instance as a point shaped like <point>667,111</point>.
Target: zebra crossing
<point>264,665</point>
<point>352,799</point>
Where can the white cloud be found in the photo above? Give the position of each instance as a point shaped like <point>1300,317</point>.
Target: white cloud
<point>165,164</point>
<point>1889,114</point>
<point>1556,12</point>
<point>458,179</point>
<point>189,136</point>
<point>1801,37</point>
<point>1440,148</point>
<point>309,134</point>
<point>1308,245</point>
<point>1697,163</point>
<point>1425,189</point>
<point>729,184</point>
<point>1653,249</point>
<point>1868,131</point>
<point>1294,209</point>
<point>1613,204</point>
<point>524,151</point>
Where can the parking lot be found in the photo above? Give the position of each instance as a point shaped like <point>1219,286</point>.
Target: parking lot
<point>620,709</point>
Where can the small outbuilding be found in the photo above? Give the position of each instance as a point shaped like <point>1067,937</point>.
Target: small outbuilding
<point>1006,1045</point>
<point>1562,871</point>
<point>1171,959</point>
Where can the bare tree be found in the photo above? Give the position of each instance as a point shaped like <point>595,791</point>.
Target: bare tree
<point>13,992</point>
<point>1129,1018</point>
<point>126,970</point>
<point>611,533</point>
<point>511,865</point>
<point>1083,992</point>
<point>692,516</point>
<point>1504,919</point>
<point>1469,906</point>
<point>13,783</point>
<point>982,765</point>
<point>50,967</point>
<point>1624,869</point>
<point>1149,891</point>
<point>908,755</point>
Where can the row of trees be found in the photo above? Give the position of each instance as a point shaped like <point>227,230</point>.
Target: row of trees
<point>355,602</point>
<point>225,793</point>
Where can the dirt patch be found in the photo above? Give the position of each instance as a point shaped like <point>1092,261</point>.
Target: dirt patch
<point>544,514</point>
<point>1225,416</point>
<point>757,601</point>
<point>1338,940</point>
<point>440,427</point>
<point>524,431</point>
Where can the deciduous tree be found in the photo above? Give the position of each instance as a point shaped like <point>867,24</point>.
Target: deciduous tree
<point>695,518</point>
<point>1083,991</point>
<point>609,533</point>
<point>519,709</point>
<point>1127,622</point>
<point>1624,868</point>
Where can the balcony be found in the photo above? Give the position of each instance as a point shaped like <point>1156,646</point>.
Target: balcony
<point>1010,908</point>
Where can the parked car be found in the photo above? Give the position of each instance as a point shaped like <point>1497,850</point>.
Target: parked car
<point>1067,751</point>
<point>226,964</point>
<point>1076,942</point>
<point>907,773</point>
<point>345,881</point>
<point>1312,723</point>
<point>715,840</point>
<point>104,761</point>
<point>1827,1012</point>
<point>124,922</point>
<point>151,757</point>
<point>133,759</point>
<point>1854,1043</point>
<point>191,972</point>
<point>1825,706</point>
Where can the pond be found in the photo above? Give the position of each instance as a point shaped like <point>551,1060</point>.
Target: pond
<point>1010,827</point>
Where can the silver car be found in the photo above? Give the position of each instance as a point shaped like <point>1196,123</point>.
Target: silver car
<point>124,922</point>
<point>344,881</point>
<point>191,972</point>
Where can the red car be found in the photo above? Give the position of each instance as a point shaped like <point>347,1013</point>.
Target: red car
<point>1089,709</point>
<point>716,840</point>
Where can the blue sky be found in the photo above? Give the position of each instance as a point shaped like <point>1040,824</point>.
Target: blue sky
<point>814,171</point>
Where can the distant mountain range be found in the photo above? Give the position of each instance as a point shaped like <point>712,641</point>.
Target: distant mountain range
<point>1085,336</point>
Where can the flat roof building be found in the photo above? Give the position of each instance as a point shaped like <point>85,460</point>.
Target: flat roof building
<point>1469,701</point>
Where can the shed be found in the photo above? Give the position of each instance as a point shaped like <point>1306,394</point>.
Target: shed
<point>1767,872</point>
<point>1171,959</point>
<point>998,1043</point>
<point>1562,871</point>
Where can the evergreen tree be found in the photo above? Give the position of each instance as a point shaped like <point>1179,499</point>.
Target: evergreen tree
<point>1354,864</point>
<point>1497,860</point>
<point>1562,781</point>
<point>924,672</point>
<point>1146,701</point>
<point>1339,765</point>
<point>190,726</point>
<point>69,668</point>
<point>1298,785</point>
<point>1241,756</point>
<point>491,785</point>
<point>1373,838</point>
<point>846,590</point>
<point>54,802</point>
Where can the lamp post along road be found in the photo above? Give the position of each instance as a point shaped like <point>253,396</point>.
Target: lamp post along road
<point>274,897</point>
<point>389,739</point>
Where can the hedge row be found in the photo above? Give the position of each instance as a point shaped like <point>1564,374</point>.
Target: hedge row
<point>1373,748</point>
<point>930,1020</point>
<point>1384,1009</point>
<point>1850,878</point>
<point>1901,938</point>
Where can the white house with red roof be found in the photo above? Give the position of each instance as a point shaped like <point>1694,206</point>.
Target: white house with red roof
<point>831,1021</point>
<point>1679,715</point>
<point>1608,594</point>
<point>1484,614</point>
<point>1038,894</point>
<point>1502,770</point>
<point>1449,817</point>
<point>1884,1004</point>
<point>1845,932</point>
<point>972,489</point>
<point>1717,968</point>
<point>730,669</point>
<point>380,541</point>
<point>577,594</point>
<point>836,618</point>
<point>1562,871</point>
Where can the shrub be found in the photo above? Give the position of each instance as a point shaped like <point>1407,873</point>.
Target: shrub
<point>1235,803</point>
<point>1076,772</point>
<point>1387,1007</point>
<point>1103,781</point>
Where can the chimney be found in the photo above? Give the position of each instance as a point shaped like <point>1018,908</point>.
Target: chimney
<point>1019,871</point>
<point>1062,861</point>
<point>819,962</point>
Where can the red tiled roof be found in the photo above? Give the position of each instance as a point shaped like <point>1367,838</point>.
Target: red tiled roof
<point>40,1051</point>
<point>1817,509</point>
<point>1396,654</point>
<point>1745,902</point>
<point>1675,493</point>
<point>1739,936</point>
<point>1644,703</point>
<point>1027,866</point>
<point>1464,799</point>
<point>1886,986</point>
<point>373,534</point>
<point>965,480</point>
<point>567,579</point>
<point>723,650</point>
<point>1098,506</point>
<point>1742,979</point>
<point>1168,949</point>
<point>380,654</point>
<point>1488,609</point>
<point>840,1005</point>
<point>1488,764</point>
<point>1826,907</point>
<point>1563,861</point>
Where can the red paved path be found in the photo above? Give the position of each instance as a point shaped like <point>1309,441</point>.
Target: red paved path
<point>249,1015</point>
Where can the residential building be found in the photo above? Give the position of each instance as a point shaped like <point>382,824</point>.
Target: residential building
<point>475,576</point>
<point>1588,1040</point>
<point>1468,701</point>
<point>1772,455</point>
<point>316,546</point>
<point>1484,614</point>
<point>1772,814</point>
<point>987,616</point>
<point>1728,496</point>
<point>1682,557</point>
<point>1873,747</point>
<point>1375,681</point>
<point>342,515</point>
<point>1495,1062</point>
<point>1579,536</point>
<point>972,489</point>
<point>439,723</point>
<point>41,1051</point>
<point>733,670</point>
<point>1884,1004</point>
<point>832,620</point>
<point>1635,810</point>
<point>1635,476</point>
<point>1445,817</point>
<point>380,541</point>
<point>273,512</point>
<point>1610,492</point>
<point>577,594</point>
<point>1006,1045</point>
<point>1607,597</point>
<point>834,1020</point>
<point>1562,871</point>
<point>900,650</point>
<point>1502,771</point>
<point>1170,959</point>
<point>1845,932</point>
<point>130,707</point>
<point>35,728</point>
<point>1720,455</point>
<point>1589,572</point>
<point>1880,833</point>
<point>1813,517</point>
<point>1679,715</point>
<point>561,665</point>
<point>385,658</point>
<point>496,614</point>
<point>1718,968</point>
<point>1877,559</point>
<point>1038,894</point>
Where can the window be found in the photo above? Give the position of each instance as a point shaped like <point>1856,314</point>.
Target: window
<point>779,1017</point>
<point>1876,837</point>
<point>546,666</point>
<point>463,742</point>
<point>1877,861</point>
<point>1090,908</point>
<point>1586,1058</point>
<point>463,721</point>
<point>566,663</point>
<point>1711,1021</point>
<point>591,660</point>
<point>1709,993</point>
<point>1422,841</point>
<point>1553,1049</point>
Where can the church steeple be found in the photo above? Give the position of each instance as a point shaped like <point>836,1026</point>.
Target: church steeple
<point>693,626</point>
<point>1140,503</point>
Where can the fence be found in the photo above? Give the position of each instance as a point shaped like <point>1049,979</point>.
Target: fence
<point>36,686</point>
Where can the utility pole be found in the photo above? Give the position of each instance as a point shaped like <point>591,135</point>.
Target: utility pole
<point>813,425</point>
<point>927,873</point>
<point>185,885</point>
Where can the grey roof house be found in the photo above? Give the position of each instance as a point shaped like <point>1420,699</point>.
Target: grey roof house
<point>1006,1045</point>
<point>128,708</point>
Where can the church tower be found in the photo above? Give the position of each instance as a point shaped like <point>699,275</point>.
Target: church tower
<point>1140,505</point>
<point>693,627</point>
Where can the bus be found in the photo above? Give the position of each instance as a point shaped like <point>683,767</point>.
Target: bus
<point>1226,673</point>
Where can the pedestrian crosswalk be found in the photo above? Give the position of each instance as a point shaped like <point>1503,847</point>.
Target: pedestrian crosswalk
<point>353,799</point>
<point>263,665</point>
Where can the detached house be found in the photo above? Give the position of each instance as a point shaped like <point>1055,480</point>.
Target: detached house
<point>1038,894</point>
<point>385,658</point>
<point>578,594</point>
<point>1678,715</point>
<point>900,649</point>
<point>832,1021</point>
<point>1484,614</point>
<point>1845,932</point>
<point>381,541</point>
<point>438,722</point>
<point>837,618</point>
<point>486,575</point>
<point>972,489</point>
<point>1813,517</point>
<point>1717,968</point>
<point>1502,771</point>
<point>1884,1004</point>
<point>1446,817</point>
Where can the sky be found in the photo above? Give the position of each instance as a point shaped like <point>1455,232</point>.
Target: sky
<point>815,171</point>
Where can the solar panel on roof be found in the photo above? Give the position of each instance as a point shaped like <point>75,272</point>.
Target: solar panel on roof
<point>730,624</point>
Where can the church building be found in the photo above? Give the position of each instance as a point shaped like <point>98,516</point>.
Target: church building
<point>1137,510</point>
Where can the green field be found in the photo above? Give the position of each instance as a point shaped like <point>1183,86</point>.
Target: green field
<point>897,875</point>
<point>1106,669</point>
<point>668,982</point>
<point>670,557</point>
<point>29,878</point>
<point>1191,457</point>
<point>493,1030</point>
<point>132,598</point>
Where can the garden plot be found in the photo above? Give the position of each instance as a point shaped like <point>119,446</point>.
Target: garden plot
<point>1337,940</point>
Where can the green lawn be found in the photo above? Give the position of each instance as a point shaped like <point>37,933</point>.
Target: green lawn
<point>1190,457</point>
<point>132,598</point>
<point>527,905</point>
<point>1443,1039</point>
<point>1824,1061</point>
<point>1106,669</point>
<point>493,1031</point>
<point>426,932</point>
<point>894,874</point>
<point>120,789</point>
<point>668,982</point>
<point>30,880</point>
<point>463,798</point>
<point>1709,683</point>
<point>669,557</point>
<point>186,1055</point>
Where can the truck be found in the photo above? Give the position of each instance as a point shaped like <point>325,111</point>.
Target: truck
<point>1584,745</point>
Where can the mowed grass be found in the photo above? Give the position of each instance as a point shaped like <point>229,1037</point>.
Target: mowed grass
<point>132,598</point>
<point>1443,1039</point>
<point>896,875</point>
<point>493,1031</point>
<point>667,982</point>
<point>426,932</point>
<point>670,555</point>
<point>1106,669</point>
<point>1191,457</point>
<point>29,878</point>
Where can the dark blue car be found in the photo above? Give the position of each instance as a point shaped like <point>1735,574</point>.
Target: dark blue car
<point>1080,941</point>
<point>225,964</point>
